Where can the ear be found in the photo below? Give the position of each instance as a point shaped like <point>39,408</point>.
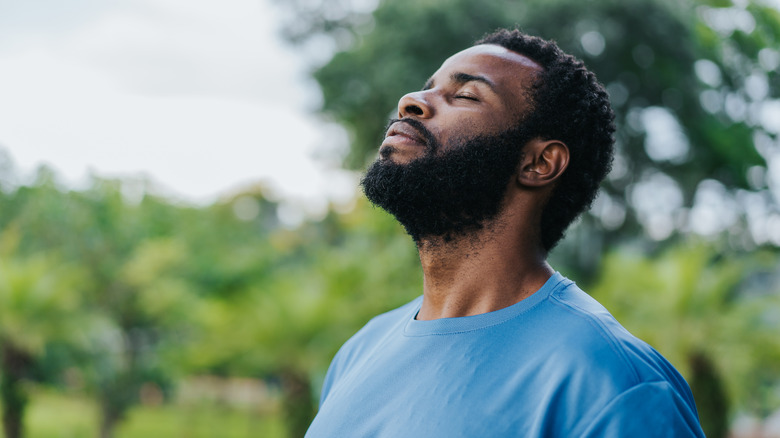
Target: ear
<point>542,163</point>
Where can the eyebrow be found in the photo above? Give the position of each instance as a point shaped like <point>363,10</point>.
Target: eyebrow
<point>461,78</point>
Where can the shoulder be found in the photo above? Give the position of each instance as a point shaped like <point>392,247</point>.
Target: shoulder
<point>600,342</point>
<point>618,379</point>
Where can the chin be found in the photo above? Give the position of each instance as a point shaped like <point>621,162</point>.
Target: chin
<point>394,155</point>
<point>385,151</point>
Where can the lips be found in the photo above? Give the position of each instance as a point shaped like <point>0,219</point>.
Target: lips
<point>402,132</point>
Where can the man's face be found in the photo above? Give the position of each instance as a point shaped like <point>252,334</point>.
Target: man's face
<point>445,165</point>
<point>479,91</point>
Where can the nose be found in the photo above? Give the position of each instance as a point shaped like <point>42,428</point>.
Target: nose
<point>414,104</point>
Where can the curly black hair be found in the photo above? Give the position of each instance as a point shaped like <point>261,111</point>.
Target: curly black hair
<point>570,105</point>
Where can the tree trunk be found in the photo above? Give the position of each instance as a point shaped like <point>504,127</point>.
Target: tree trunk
<point>116,397</point>
<point>15,365</point>
<point>297,404</point>
<point>120,392</point>
<point>108,422</point>
<point>711,399</point>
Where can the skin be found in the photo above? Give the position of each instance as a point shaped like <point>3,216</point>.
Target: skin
<point>482,90</point>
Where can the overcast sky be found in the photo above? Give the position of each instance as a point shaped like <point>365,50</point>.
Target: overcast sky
<point>201,96</point>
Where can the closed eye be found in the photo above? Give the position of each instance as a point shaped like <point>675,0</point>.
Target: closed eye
<point>467,96</point>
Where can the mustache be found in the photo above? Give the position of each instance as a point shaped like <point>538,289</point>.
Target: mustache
<point>431,144</point>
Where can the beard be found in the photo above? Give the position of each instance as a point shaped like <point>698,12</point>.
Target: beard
<point>448,194</point>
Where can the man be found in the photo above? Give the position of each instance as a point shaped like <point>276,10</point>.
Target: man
<point>485,167</point>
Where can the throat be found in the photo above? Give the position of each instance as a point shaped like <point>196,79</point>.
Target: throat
<point>476,274</point>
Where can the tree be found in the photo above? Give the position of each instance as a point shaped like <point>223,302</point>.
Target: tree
<point>150,263</point>
<point>134,264</point>
<point>40,303</point>
<point>710,314</point>
<point>151,306</point>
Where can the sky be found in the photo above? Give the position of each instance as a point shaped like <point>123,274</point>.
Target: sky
<point>201,97</point>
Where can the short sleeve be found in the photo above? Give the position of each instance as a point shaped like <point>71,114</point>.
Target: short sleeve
<point>647,410</point>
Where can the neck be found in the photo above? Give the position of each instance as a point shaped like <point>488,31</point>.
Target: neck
<point>488,270</point>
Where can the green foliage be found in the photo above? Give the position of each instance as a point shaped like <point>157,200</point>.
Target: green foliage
<point>39,299</point>
<point>131,273</point>
<point>40,303</point>
<point>328,280</point>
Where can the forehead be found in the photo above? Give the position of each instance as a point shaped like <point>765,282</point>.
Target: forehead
<point>492,56</point>
<point>510,71</point>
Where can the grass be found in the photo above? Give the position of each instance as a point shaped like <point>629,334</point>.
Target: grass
<point>201,421</point>
<point>51,415</point>
<point>55,415</point>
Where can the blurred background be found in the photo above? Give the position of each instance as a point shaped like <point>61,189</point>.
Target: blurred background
<point>183,246</point>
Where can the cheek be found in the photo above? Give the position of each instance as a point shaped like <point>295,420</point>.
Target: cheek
<point>467,128</point>
<point>460,125</point>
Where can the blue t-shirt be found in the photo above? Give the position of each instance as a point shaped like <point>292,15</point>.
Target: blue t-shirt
<point>555,364</point>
